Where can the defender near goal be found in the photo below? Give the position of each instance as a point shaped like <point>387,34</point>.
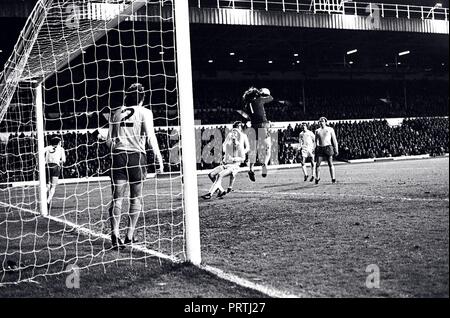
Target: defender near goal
<point>131,126</point>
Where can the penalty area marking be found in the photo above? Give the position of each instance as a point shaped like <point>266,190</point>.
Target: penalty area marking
<point>331,195</point>
<point>90,232</point>
<point>268,291</point>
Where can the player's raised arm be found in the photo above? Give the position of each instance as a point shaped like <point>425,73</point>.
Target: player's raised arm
<point>151,138</point>
<point>266,96</point>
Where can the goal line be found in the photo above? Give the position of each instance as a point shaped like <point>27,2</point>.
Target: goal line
<point>234,279</point>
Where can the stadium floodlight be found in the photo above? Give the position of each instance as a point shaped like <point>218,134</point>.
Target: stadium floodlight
<point>403,53</point>
<point>270,62</point>
<point>349,53</point>
<point>351,62</point>
<point>296,54</point>
<point>210,61</point>
<point>232,54</point>
<point>241,61</point>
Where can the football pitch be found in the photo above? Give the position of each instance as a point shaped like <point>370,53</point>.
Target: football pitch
<point>281,232</point>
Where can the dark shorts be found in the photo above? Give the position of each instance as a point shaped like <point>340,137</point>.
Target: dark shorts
<point>262,130</point>
<point>324,151</point>
<point>52,170</point>
<point>129,166</point>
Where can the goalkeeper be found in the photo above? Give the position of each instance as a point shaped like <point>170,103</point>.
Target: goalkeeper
<point>235,147</point>
<point>131,126</point>
<point>254,103</point>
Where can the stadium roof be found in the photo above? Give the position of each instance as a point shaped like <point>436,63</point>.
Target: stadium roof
<point>253,48</point>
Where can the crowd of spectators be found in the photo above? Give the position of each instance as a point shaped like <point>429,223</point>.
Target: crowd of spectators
<point>377,139</point>
<point>218,103</point>
<point>343,107</point>
<point>88,155</point>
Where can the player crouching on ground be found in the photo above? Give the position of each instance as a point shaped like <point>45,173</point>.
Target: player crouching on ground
<point>327,147</point>
<point>235,147</point>
<point>130,128</point>
<point>307,141</point>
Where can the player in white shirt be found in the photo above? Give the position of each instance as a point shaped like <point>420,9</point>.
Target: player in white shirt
<point>235,147</point>
<point>131,126</point>
<point>55,157</point>
<point>307,141</point>
<point>326,148</point>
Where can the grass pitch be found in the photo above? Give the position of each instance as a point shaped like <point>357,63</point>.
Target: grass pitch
<point>300,238</point>
<point>317,240</point>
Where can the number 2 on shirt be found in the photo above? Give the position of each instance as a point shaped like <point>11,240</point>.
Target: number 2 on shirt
<point>123,122</point>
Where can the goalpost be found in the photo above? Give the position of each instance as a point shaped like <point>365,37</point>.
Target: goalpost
<point>69,72</point>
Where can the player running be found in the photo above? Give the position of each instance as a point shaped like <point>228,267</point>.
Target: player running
<point>235,147</point>
<point>131,126</point>
<point>327,147</point>
<point>255,101</point>
<point>307,141</point>
<point>55,157</point>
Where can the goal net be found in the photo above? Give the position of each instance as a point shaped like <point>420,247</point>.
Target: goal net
<point>69,72</point>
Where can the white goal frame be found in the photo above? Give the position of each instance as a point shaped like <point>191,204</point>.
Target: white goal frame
<point>185,99</point>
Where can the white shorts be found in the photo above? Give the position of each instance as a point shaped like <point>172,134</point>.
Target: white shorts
<point>307,153</point>
<point>233,167</point>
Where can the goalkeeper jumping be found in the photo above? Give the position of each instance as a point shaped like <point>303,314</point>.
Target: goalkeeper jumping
<point>254,103</point>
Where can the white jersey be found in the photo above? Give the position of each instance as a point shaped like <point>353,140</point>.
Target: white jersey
<point>55,155</point>
<point>326,137</point>
<point>236,145</point>
<point>307,140</point>
<point>129,128</point>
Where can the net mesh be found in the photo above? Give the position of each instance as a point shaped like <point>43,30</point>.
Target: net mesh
<point>85,54</point>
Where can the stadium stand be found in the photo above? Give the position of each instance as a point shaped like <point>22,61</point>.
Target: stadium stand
<point>217,104</point>
<point>88,156</point>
